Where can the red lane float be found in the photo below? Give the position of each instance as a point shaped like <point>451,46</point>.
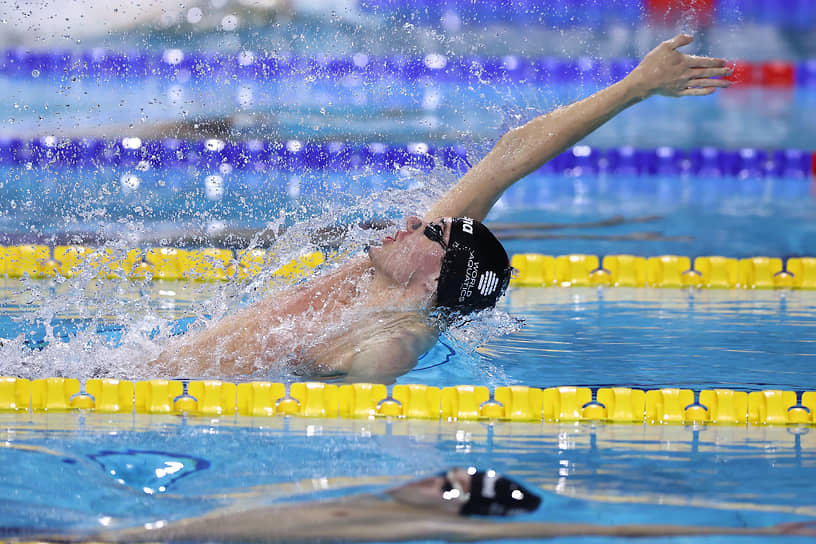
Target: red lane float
<point>743,73</point>
<point>699,12</point>
<point>813,174</point>
<point>777,74</point>
<point>774,73</point>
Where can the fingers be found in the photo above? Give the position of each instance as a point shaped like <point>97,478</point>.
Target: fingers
<point>711,72</point>
<point>679,41</point>
<point>702,82</point>
<point>702,87</point>
<point>696,92</point>
<point>704,62</point>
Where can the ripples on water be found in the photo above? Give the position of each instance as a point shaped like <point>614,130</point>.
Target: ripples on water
<point>651,338</point>
<point>585,473</point>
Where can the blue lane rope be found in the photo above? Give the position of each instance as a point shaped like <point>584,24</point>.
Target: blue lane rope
<point>187,66</point>
<point>191,67</point>
<point>293,155</point>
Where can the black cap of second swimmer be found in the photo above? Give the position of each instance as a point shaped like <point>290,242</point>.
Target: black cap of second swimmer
<point>495,495</point>
<point>475,269</point>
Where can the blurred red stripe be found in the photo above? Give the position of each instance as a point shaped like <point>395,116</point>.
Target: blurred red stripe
<point>778,74</point>
<point>743,73</point>
<point>699,12</point>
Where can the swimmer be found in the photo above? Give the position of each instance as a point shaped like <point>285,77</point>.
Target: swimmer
<point>439,507</point>
<point>369,319</point>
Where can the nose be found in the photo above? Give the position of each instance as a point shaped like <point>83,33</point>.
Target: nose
<point>413,223</point>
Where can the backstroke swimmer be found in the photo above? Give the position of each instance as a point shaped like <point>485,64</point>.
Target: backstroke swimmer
<point>368,319</point>
<point>438,507</point>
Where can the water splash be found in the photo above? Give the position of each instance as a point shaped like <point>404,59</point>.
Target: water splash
<point>85,327</point>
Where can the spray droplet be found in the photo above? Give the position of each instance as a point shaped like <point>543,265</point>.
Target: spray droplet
<point>130,182</point>
<point>35,73</point>
<point>214,187</point>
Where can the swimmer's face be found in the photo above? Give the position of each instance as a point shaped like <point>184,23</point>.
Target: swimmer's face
<point>446,492</point>
<point>411,256</point>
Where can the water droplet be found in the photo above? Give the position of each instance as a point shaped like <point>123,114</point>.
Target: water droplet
<point>35,73</point>
<point>130,182</point>
<point>194,15</point>
<point>230,23</point>
<point>214,187</point>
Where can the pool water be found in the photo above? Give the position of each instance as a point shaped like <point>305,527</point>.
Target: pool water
<point>541,337</point>
<point>121,469</point>
<point>147,170</point>
<point>653,338</point>
<point>649,337</point>
<point>118,470</point>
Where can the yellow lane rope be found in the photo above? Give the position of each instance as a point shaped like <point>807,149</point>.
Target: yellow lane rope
<point>364,400</point>
<point>534,270</point>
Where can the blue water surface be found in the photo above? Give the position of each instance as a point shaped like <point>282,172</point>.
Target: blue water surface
<point>78,471</point>
<point>122,470</point>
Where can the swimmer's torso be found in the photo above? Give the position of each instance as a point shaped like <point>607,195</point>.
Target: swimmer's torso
<point>329,326</point>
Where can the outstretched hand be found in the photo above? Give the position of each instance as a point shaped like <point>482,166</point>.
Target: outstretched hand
<point>669,72</point>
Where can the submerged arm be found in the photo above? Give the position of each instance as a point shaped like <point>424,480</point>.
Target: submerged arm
<point>336,523</point>
<point>524,149</point>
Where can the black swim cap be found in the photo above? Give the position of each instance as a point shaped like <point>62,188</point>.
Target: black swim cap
<point>475,269</point>
<point>494,495</point>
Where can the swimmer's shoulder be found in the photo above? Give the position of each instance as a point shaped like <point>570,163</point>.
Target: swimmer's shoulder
<point>391,346</point>
<point>379,348</point>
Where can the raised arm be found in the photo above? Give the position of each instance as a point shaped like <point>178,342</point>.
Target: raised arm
<point>524,149</point>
